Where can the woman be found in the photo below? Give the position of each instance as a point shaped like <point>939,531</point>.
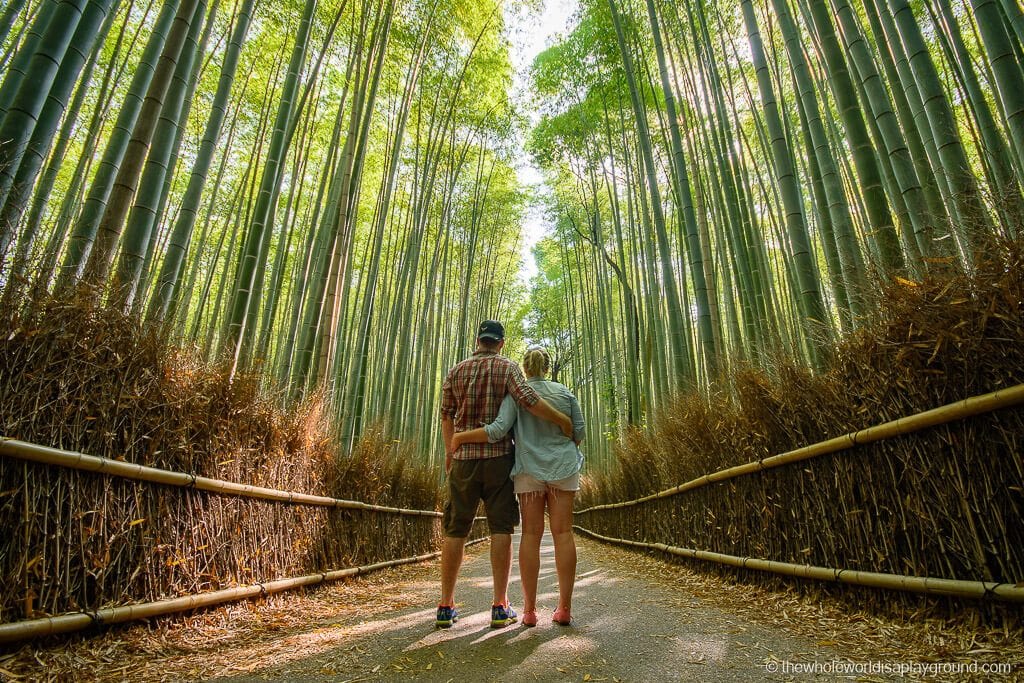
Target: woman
<point>546,474</point>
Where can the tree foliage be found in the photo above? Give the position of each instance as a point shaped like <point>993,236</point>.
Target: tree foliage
<point>326,190</point>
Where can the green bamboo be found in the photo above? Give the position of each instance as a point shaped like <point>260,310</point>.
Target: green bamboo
<point>21,118</point>
<point>963,186</point>
<point>684,197</point>
<point>864,157</point>
<point>169,278</point>
<point>79,59</point>
<point>995,154</point>
<point>815,319</point>
<point>239,322</point>
<point>679,358</point>
<point>80,243</point>
<point>19,65</point>
<point>892,138</point>
<point>1007,72</point>
<point>7,19</point>
<point>142,217</point>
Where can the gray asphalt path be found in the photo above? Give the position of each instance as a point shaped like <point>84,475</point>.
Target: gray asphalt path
<point>627,627</point>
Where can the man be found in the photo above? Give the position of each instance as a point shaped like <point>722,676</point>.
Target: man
<point>471,396</point>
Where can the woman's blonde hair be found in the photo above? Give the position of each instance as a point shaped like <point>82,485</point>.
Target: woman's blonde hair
<point>536,362</point>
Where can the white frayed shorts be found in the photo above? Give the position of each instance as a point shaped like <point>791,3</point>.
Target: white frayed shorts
<point>525,483</point>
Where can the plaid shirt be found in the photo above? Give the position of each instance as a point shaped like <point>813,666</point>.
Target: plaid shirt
<point>472,394</point>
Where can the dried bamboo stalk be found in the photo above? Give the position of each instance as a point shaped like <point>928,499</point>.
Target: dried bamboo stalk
<point>916,584</point>
<point>969,407</point>
<point>90,463</point>
<point>69,623</point>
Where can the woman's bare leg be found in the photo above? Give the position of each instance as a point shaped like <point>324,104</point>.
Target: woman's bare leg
<point>531,507</point>
<point>560,511</point>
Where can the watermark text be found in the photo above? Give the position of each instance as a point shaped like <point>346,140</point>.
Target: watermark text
<point>839,667</point>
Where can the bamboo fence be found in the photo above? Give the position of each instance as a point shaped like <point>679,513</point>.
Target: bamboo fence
<point>69,623</point>
<point>946,503</point>
<point>84,543</point>
<point>79,377</point>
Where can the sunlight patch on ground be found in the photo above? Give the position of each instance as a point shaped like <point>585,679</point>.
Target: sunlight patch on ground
<point>397,623</point>
<point>702,648</point>
<point>565,649</point>
<point>329,637</point>
<point>602,579</point>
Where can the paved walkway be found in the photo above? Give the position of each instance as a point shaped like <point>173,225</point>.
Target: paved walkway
<point>627,627</point>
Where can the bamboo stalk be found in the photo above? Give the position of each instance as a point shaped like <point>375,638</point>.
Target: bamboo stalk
<point>90,463</point>
<point>969,407</point>
<point>69,623</point>
<point>916,584</point>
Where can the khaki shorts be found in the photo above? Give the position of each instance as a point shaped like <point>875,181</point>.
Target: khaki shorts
<point>525,483</point>
<point>471,481</point>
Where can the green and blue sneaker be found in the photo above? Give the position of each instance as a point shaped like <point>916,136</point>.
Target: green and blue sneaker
<point>446,616</point>
<point>502,615</point>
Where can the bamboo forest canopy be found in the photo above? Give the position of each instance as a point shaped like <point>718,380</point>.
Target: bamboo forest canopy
<point>329,192</point>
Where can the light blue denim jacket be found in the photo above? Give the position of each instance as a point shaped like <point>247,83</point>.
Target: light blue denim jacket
<point>542,450</point>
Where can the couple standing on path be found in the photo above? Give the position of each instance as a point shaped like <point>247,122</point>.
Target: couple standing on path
<point>483,398</point>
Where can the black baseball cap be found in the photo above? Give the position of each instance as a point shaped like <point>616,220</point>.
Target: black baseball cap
<point>492,330</point>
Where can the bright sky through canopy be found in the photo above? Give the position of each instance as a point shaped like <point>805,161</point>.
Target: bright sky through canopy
<point>531,32</point>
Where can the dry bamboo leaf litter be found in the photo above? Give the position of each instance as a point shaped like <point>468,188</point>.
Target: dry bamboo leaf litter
<point>254,637</point>
<point>254,634</point>
<point>922,634</point>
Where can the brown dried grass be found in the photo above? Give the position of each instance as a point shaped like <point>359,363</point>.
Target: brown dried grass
<point>80,377</point>
<point>944,502</point>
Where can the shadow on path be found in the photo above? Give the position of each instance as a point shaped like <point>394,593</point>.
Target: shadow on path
<point>627,627</point>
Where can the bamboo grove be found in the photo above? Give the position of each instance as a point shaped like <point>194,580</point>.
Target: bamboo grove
<point>732,179</point>
<point>325,191</point>
<point>308,189</point>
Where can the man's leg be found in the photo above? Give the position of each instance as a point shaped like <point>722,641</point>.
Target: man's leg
<point>451,561</point>
<point>463,498</point>
<point>501,566</point>
<point>502,517</point>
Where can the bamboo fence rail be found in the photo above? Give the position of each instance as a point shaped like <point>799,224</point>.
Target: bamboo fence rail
<point>970,407</point>
<point>917,584</point>
<point>78,621</point>
<point>52,456</point>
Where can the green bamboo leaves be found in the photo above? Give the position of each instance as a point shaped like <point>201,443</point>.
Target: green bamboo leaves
<point>805,149</point>
<point>325,191</point>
